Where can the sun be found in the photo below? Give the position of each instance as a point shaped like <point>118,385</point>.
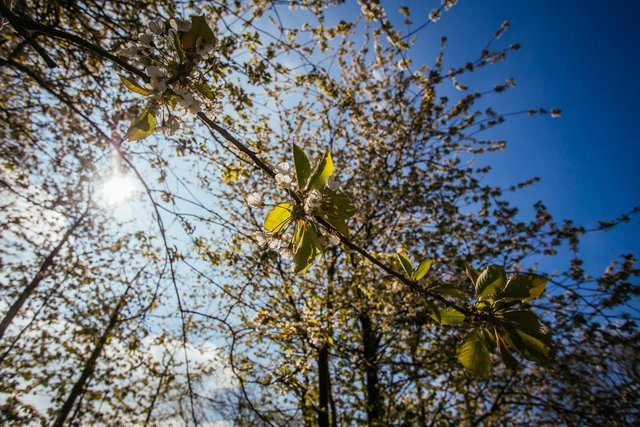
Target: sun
<point>118,188</point>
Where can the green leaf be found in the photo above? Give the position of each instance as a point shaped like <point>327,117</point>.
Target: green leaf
<point>178,45</point>
<point>422,269</point>
<point>134,87</point>
<point>490,281</point>
<point>525,321</point>
<point>529,347</point>
<point>435,313</point>
<point>303,167</point>
<point>449,290</point>
<point>473,354</point>
<point>307,249</point>
<point>406,264</point>
<point>278,218</point>
<point>523,287</point>
<point>338,224</point>
<point>472,273</point>
<point>338,204</point>
<point>505,354</point>
<point>451,316</point>
<point>199,29</point>
<point>142,127</point>
<point>323,170</point>
<point>205,90</point>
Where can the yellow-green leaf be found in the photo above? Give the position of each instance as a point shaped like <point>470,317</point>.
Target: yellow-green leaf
<point>323,170</point>
<point>306,250</point>
<point>450,316</point>
<point>490,281</point>
<point>303,167</point>
<point>278,218</point>
<point>405,262</point>
<point>134,87</point>
<point>422,269</point>
<point>473,354</point>
<point>142,127</point>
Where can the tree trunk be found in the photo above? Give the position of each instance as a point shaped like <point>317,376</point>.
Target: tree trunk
<point>324,386</point>
<point>90,365</point>
<point>31,287</point>
<point>370,352</point>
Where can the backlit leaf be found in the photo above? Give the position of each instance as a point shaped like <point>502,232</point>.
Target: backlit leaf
<point>142,127</point>
<point>473,354</point>
<point>278,218</point>
<point>323,170</point>
<point>422,269</point>
<point>490,281</point>
<point>134,87</point>
<point>303,167</point>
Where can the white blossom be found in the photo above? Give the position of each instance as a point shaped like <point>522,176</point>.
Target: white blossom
<point>203,48</point>
<point>332,183</point>
<point>146,38</point>
<point>186,101</point>
<point>435,15</point>
<point>261,238</point>
<point>448,4</point>
<point>284,168</point>
<point>275,243</point>
<point>157,78</point>
<point>171,126</point>
<point>334,239</point>
<point>156,26</point>
<point>131,50</point>
<point>284,181</point>
<point>182,25</point>
<point>286,253</point>
<point>312,202</point>
<point>255,200</point>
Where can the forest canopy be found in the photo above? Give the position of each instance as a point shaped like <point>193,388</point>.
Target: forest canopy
<point>271,213</point>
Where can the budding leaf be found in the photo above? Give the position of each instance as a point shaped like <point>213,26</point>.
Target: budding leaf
<point>278,218</point>
<point>134,87</point>
<point>406,264</point>
<point>323,170</point>
<point>303,167</point>
<point>473,354</point>
<point>472,273</point>
<point>142,127</point>
<point>422,269</point>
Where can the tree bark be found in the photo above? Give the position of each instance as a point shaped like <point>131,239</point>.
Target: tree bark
<point>324,385</point>
<point>370,344</point>
<point>40,275</point>
<point>90,365</point>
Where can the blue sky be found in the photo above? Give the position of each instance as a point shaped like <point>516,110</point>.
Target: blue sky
<point>582,57</point>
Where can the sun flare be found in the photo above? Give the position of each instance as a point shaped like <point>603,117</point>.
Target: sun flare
<point>117,189</point>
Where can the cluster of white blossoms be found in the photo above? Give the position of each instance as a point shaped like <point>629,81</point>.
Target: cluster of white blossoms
<point>275,243</point>
<point>312,202</point>
<point>284,176</point>
<point>169,87</point>
<point>330,238</point>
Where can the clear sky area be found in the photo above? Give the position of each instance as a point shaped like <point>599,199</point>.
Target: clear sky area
<point>584,58</point>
